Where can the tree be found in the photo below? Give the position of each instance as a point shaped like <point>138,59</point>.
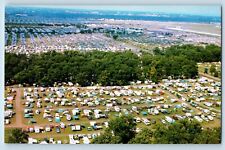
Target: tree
<point>123,127</point>
<point>14,63</point>
<point>104,78</point>
<point>206,70</point>
<point>107,138</point>
<point>209,136</point>
<point>157,51</point>
<point>143,137</point>
<point>212,69</point>
<point>115,36</point>
<point>216,74</point>
<point>181,132</point>
<point>120,130</point>
<point>107,68</point>
<point>17,136</point>
<point>153,74</point>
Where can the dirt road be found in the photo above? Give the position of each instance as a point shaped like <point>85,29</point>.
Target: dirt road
<point>210,77</point>
<point>18,109</point>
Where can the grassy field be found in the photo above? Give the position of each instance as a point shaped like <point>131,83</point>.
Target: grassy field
<point>202,66</point>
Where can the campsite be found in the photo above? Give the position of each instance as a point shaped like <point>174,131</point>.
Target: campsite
<point>67,110</point>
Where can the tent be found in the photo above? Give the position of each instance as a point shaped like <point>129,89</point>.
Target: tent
<point>144,113</point>
<point>126,113</point>
<point>43,142</point>
<point>86,140</point>
<point>27,116</point>
<point>9,106</point>
<point>32,141</point>
<point>73,128</point>
<point>32,121</point>
<point>47,128</point>
<point>57,119</point>
<point>60,110</point>
<point>75,117</point>
<point>8,114</point>
<point>78,127</point>
<point>36,129</point>
<point>68,117</point>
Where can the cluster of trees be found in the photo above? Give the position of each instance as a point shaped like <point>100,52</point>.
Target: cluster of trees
<point>85,68</point>
<point>122,130</point>
<point>213,70</point>
<point>159,67</point>
<point>180,60</point>
<point>107,68</point>
<point>209,53</point>
<point>16,136</point>
<point>14,63</point>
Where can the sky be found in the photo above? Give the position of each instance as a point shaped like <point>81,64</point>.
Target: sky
<point>203,10</point>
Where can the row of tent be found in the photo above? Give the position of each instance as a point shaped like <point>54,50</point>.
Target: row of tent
<point>8,105</point>
<point>73,139</point>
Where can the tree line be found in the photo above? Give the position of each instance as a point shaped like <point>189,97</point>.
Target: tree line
<point>121,130</point>
<point>107,68</point>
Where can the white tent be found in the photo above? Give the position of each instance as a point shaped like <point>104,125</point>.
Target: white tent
<point>86,140</point>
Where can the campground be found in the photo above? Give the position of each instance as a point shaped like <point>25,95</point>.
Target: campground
<point>67,109</point>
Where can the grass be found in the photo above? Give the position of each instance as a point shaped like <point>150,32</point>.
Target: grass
<point>202,66</point>
<point>7,132</point>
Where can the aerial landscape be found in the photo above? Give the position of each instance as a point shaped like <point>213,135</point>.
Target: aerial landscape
<point>112,75</point>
